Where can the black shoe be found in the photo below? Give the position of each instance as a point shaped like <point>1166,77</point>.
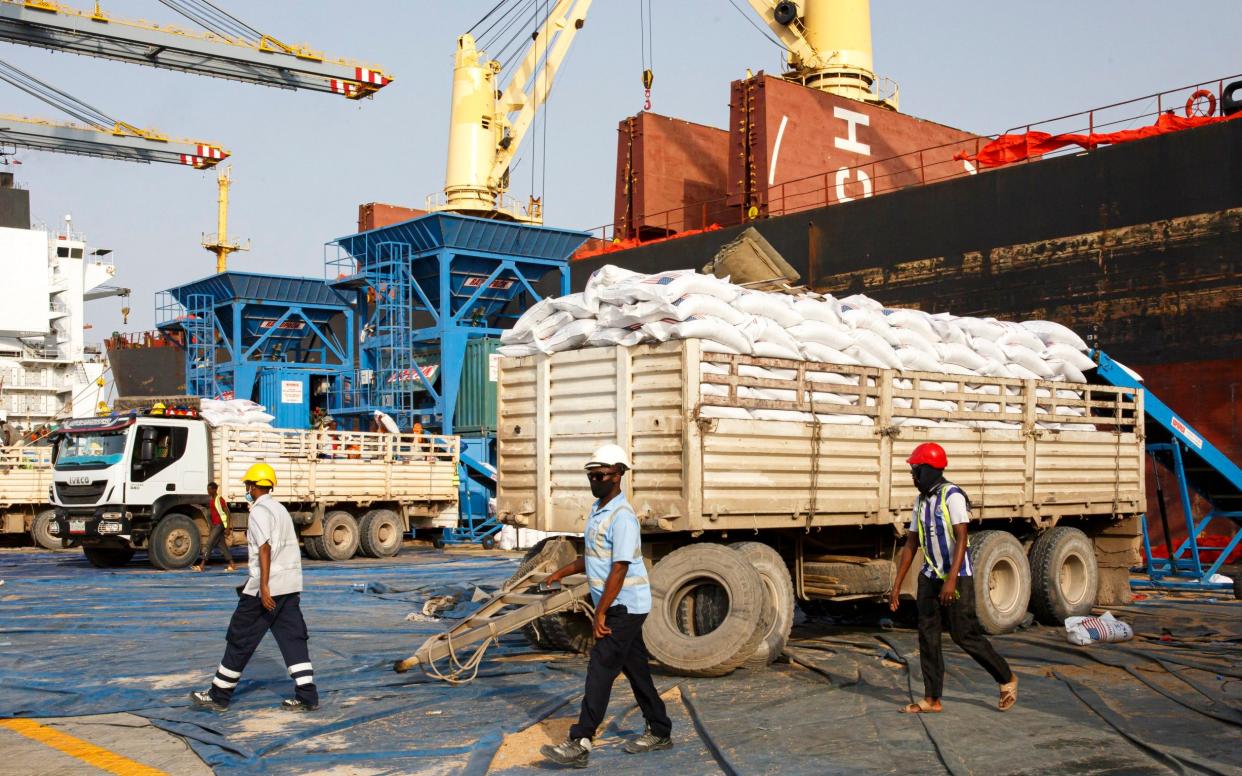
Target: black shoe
<point>297,704</point>
<point>568,752</point>
<point>648,742</point>
<point>201,699</point>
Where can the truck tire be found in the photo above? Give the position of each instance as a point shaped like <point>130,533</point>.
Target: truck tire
<point>108,557</point>
<point>874,577</point>
<point>381,532</point>
<point>39,530</point>
<point>175,543</point>
<point>780,598</point>
<point>672,632</point>
<point>1064,575</point>
<point>557,631</point>
<point>313,547</point>
<point>1002,580</point>
<point>340,536</point>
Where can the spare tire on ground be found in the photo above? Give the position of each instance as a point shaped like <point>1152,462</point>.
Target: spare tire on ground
<point>566,631</point>
<point>1002,579</point>
<point>780,597</point>
<point>680,640</point>
<point>1064,575</point>
<point>874,577</point>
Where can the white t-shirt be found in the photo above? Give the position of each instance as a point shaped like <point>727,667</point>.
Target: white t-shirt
<point>269,523</point>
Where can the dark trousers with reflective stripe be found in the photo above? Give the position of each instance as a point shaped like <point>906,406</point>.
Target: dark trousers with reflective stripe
<point>249,624</point>
<point>620,652</point>
<point>964,629</point>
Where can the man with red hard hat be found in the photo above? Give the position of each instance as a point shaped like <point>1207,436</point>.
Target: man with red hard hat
<point>946,593</point>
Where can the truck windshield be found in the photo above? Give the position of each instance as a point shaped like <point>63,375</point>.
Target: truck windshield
<point>90,451</point>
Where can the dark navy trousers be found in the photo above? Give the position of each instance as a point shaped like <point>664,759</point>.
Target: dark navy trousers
<point>249,624</point>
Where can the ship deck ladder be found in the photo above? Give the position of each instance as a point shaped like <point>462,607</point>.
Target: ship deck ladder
<point>1198,469</point>
<point>519,603</point>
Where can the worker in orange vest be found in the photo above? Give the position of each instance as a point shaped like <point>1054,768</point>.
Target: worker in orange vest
<point>220,531</point>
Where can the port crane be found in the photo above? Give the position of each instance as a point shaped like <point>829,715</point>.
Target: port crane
<point>829,45</point>
<point>228,49</point>
<point>97,134</point>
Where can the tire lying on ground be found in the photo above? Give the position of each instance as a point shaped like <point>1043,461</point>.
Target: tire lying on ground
<point>108,557</point>
<point>1064,575</point>
<point>1002,580</point>
<point>39,530</point>
<point>175,542</point>
<point>566,631</point>
<point>340,536</point>
<point>380,533</point>
<point>678,638</point>
<point>780,599</point>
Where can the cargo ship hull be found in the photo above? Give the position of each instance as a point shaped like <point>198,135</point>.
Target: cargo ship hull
<point>1136,246</point>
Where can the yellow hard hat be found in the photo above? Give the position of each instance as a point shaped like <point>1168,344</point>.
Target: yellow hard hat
<point>260,474</point>
<point>159,405</point>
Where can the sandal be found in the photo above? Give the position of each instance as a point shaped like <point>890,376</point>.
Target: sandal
<point>922,707</point>
<point>1008,694</point>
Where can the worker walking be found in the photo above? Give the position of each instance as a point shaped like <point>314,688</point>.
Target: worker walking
<point>622,596</point>
<point>946,591</point>
<point>270,599</point>
<point>220,532</point>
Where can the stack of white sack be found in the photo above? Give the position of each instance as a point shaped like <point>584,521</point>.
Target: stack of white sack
<point>620,307</point>
<point>234,412</point>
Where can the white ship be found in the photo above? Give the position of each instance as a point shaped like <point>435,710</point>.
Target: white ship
<point>47,371</point>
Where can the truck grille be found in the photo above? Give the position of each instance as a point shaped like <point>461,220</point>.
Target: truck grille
<point>80,494</point>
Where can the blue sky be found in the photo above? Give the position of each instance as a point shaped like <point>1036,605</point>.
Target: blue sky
<point>302,162</point>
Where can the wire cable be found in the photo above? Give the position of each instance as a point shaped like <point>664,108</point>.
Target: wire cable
<point>485,17</point>
<point>58,99</point>
<point>753,23</point>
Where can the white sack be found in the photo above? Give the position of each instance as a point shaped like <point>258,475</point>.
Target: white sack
<point>1028,359</point>
<point>869,320</point>
<point>605,337</point>
<point>1016,335</point>
<point>576,305</point>
<point>773,306</point>
<point>517,351</point>
<point>913,320</point>
<point>962,355</point>
<point>1059,351</point>
<point>918,360</point>
<point>736,413</point>
<point>861,301</point>
<point>1051,331</point>
<point>823,333</point>
<point>702,328</point>
<point>814,351</point>
<point>815,310</point>
<point>988,328</point>
<point>569,336</point>
<point>770,339</point>
<point>1090,630</point>
<point>523,329</point>
<point>872,350</point>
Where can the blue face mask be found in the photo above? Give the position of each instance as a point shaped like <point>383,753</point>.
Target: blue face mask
<point>249,497</point>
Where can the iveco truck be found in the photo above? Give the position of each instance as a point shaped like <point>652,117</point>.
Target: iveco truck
<point>139,482</point>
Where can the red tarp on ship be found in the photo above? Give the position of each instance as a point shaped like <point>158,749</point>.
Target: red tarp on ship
<point>1007,149</point>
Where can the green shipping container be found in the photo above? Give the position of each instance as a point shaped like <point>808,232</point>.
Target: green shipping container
<point>476,398</point>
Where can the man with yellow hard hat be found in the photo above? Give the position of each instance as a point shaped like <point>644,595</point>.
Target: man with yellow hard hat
<point>270,600</point>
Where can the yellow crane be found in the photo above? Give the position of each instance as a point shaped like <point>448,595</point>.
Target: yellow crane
<point>218,243</point>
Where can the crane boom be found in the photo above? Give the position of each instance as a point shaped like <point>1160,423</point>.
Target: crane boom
<point>119,143</point>
<point>266,61</point>
<point>488,124</point>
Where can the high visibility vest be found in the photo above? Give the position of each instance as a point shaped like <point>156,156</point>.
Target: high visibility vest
<point>941,506</point>
<point>222,510</point>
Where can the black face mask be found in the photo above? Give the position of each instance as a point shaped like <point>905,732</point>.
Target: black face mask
<point>926,478</point>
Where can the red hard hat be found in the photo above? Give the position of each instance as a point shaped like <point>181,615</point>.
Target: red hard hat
<point>931,454</point>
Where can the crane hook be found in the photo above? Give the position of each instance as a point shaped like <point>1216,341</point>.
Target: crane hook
<point>648,80</point>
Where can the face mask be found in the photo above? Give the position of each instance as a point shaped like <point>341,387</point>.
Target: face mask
<point>249,497</point>
<point>926,478</point>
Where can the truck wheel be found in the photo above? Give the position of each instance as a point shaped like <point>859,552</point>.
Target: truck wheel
<point>340,536</point>
<point>313,547</point>
<point>780,598</point>
<point>108,557</point>
<point>1064,575</point>
<point>675,636</point>
<point>1002,580</point>
<point>874,577</point>
<point>550,632</point>
<point>40,533</point>
<point>175,543</point>
<point>381,533</point>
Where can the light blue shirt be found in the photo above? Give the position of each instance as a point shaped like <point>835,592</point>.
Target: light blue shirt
<point>612,534</point>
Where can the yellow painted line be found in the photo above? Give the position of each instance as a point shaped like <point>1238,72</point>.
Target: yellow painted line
<point>83,750</point>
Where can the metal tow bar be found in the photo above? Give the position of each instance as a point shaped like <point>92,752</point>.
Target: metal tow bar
<point>488,624</point>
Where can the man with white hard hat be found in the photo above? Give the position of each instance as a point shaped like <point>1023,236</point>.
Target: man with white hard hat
<point>621,594</point>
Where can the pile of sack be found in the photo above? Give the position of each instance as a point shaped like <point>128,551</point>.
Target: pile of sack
<point>620,307</point>
<point>235,412</point>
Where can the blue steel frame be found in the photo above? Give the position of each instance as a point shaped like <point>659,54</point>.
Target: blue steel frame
<point>1171,444</point>
<point>218,313</point>
<point>448,255</point>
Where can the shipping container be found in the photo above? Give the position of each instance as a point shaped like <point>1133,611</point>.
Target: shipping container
<point>476,398</point>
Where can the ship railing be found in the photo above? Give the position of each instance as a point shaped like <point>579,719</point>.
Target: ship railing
<point>917,168</point>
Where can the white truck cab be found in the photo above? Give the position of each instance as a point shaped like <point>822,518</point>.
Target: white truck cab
<point>115,479</point>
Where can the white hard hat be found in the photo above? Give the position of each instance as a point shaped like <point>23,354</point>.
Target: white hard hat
<point>609,455</point>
